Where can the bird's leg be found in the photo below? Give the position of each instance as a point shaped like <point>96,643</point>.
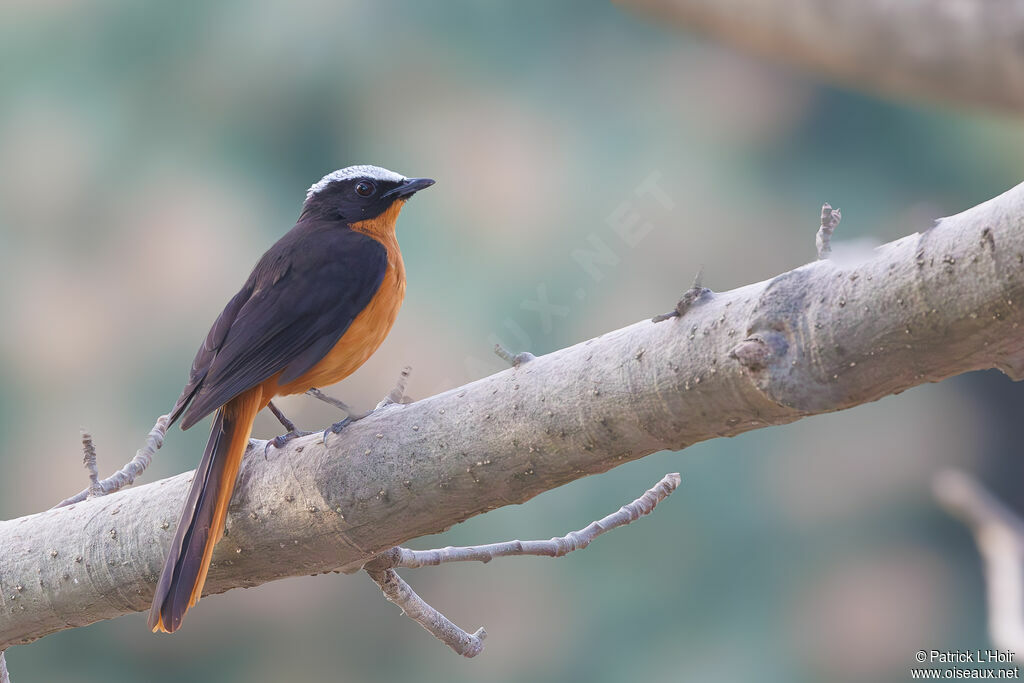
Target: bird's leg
<point>396,395</point>
<point>293,433</point>
<point>281,417</point>
<point>341,405</point>
<point>352,415</point>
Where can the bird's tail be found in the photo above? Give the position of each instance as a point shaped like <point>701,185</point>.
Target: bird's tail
<point>202,521</point>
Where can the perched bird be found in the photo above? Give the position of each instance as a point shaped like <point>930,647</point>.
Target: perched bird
<point>316,306</point>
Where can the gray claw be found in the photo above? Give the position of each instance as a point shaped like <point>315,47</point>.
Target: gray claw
<point>281,440</point>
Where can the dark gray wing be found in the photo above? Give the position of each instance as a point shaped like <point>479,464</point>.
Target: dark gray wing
<point>301,297</point>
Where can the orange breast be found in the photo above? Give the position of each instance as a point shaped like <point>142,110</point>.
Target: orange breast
<point>369,329</point>
<point>366,333</point>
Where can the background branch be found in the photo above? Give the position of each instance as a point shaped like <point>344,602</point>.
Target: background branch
<point>964,51</point>
<point>999,533</point>
<point>822,337</point>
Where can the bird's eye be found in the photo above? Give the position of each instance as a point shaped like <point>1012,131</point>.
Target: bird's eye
<point>364,188</point>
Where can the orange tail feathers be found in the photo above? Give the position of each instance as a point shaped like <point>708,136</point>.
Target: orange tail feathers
<point>202,521</point>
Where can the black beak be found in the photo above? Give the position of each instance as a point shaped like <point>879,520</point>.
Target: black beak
<point>409,187</point>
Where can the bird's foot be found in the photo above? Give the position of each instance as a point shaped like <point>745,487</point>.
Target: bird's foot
<point>341,405</point>
<point>337,427</point>
<point>279,442</point>
<point>395,396</point>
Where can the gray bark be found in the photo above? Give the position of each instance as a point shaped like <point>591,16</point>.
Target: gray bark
<point>965,51</point>
<point>823,337</point>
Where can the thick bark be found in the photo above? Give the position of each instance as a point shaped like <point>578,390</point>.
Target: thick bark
<point>965,51</point>
<point>826,336</point>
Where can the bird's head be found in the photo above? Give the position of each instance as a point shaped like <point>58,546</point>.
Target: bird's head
<point>361,195</point>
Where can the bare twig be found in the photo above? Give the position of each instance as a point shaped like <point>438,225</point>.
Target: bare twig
<point>555,547</point>
<point>413,606</point>
<point>999,533</point>
<point>5,677</point>
<point>513,359</point>
<point>89,458</point>
<point>126,475</point>
<point>829,220</point>
<point>382,568</point>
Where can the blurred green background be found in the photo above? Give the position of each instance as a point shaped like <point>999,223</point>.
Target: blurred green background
<point>150,152</point>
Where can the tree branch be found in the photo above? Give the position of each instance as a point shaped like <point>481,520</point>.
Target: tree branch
<point>826,336</point>
<point>968,51</point>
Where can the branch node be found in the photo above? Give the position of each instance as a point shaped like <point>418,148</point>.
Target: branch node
<point>752,353</point>
<point>695,293</point>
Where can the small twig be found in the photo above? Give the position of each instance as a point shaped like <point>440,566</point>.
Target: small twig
<point>829,221</point>
<point>513,359</point>
<point>396,590</point>
<point>999,534</point>
<point>555,547</point>
<point>127,474</point>
<point>89,458</point>
<point>687,300</point>
<point>5,677</point>
<point>382,568</point>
